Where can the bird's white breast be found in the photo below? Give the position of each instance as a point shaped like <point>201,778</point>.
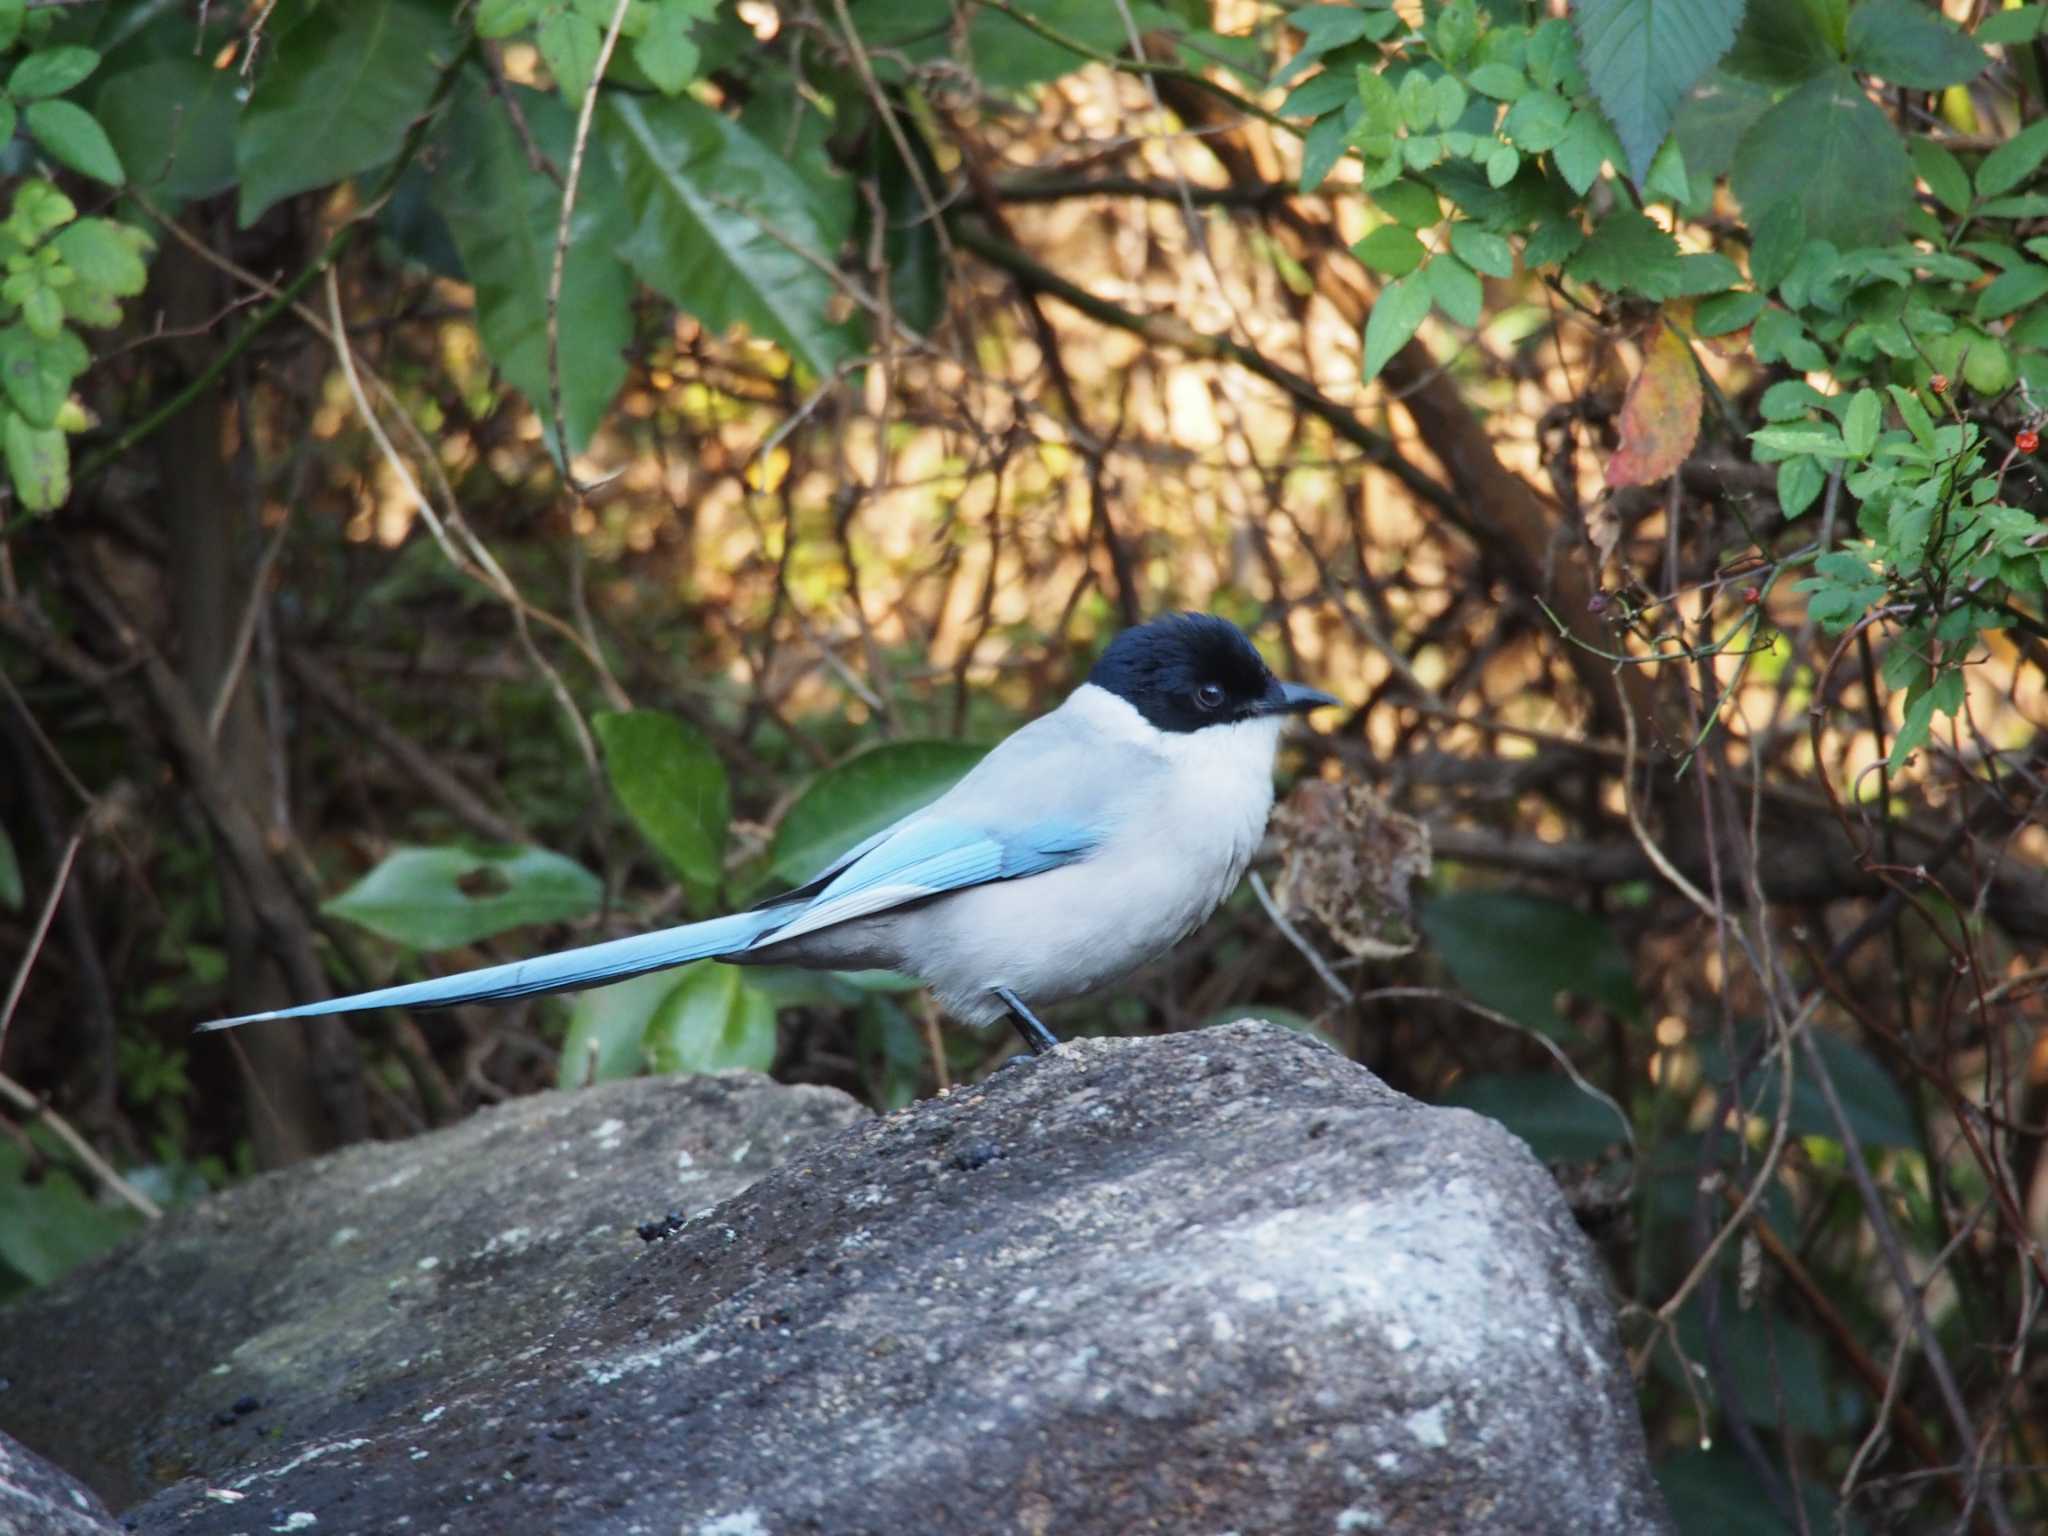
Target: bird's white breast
<point>1185,816</point>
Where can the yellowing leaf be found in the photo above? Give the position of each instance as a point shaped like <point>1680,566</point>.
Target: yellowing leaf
<point>1660,419</point>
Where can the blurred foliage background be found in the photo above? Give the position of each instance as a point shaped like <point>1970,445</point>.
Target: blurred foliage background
<point>491,476</point>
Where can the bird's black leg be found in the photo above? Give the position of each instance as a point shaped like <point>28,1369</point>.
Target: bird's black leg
<point>1035,1034</point>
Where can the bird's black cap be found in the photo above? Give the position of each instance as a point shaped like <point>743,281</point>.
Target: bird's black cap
<point>1187,671</point>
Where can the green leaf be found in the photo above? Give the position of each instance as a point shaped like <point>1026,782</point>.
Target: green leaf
<point>2016,26</point>
<point>1500,81</point>
<point>501,18</point>
<point>69,134</point>
<point>1789,399</point>
<point>2012,290</point>
<point>51,1225</point>
<point>1780,43</point>
<point>1516,953</point>
<point>38,462</point>
<point>1558,1119</point>
<point>12,14</point>
<point>51,72</point>
<point>11,892</point>
<point>1780,236</point>
<point>503,217</point>
<point>1914,414</point>
<point>1312,98</point>
<point>1800,481</point>
<point>1321,148</point>
<point>1410,202</point>
<point>1910,45</point>
<point>1642,56</point>
<point>442,898</point>
<point>1552,242</point>
<point>1535,123</point>
<point>1481,250</point>
<point>2013,161</point>
<point>343,85</point>
<point>607,1028</point>
<point>712,1021</point>
<point>37,372</point>
<point>103,255</point>
<point>1396,316</point>
<point>1007,56</point>
<point>569,45</point>
<point>1727,312</point>
<point>1450,99</point>
<point>1861,421</point>
<point>1712,120</point>
<point>1703,272</point>
<point>1457,292</point>
<point>1875,1108</point>
<point>1830,149</point>
<point>1629,253</point>
<point>1820,442</point>
<point>1391,249</point>
<point>667,51</point>
<point>1943,173</point>
<point>855,799</point>
<point>1588,144</point>
<point>172,122</point>
<point>673,786</point>
<point>1712,1492</point>
<point>1501,164</point>
<point>702,195</point>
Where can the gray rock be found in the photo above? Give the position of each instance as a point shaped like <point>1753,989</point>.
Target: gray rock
<point>37,1499</point>
<point>1215,1282</point>
<point>313,1300</point>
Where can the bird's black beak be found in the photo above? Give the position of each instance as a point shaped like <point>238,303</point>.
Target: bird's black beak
<point>1292,699</point>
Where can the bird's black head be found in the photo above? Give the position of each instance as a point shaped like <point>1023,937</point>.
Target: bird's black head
<point>1185,671</point>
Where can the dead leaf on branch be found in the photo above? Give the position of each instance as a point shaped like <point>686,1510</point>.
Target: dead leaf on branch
<point>1660,419</point>
<point>1347,860</point>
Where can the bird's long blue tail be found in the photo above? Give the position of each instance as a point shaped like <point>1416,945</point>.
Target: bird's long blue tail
<point>592,965</point>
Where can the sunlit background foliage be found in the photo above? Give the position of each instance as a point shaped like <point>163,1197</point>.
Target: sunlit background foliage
<point>1629,409</point>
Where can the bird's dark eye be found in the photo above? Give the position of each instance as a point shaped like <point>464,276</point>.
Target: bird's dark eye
<point>1209,696</point>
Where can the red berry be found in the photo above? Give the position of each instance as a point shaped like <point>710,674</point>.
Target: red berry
<point>2028,441</point>
<point>1939,383</point>
<point>1751,595</point>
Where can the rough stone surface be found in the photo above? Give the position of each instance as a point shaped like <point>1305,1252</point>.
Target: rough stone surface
<point>322,1297</point>
<point>37,1499</point>
<point>1214,1282</point>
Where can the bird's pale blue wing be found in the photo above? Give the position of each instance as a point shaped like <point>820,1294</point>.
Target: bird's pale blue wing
<point>928,856</point>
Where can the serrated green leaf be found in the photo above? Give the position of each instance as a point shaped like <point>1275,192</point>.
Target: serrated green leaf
<point>1799,485</point>
<point>1535,123</point>
<point>1728,312</point>
<point>1457,292</point>
<point>859,797</point>
<point>1828,148</point>
<point>1629,253</point>
<point>442,898</point>
<point>1780,43</point>
<point>70,135</point>
<point>2014,161</point>
<point>1501,164</point>
<point>501,18</point>
<point>1321,148</point>
<point>1711,121</point>
<point>712,1020</point>
<point>1587,144</point>
<point>38,462</point>
<point>503,218</point>
<point>1704,272</point>
<point>1642,56</point>
<point>1450,99</point>
<point>1500,81</point>
<point>702,196</point>
<point>1391,249</point>
<point>1789,399</point>
<point>12,14</point>
<point>37,372</point>
<point>1482,250</point>
<point>1396,316</point>
<point>342,87</point>
<point>1552,242</point>
<point>569,45</point>
<point>1908,44</point>
<point>1780,235</point>
<point>1409,202</point>
<point>672,784</point>
<point>1329,90</point>
<point>1820,443</point>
